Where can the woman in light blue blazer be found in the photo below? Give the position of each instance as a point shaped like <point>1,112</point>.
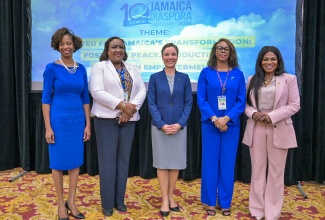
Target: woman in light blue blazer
<point>170,103</point>
<point>221,97</point>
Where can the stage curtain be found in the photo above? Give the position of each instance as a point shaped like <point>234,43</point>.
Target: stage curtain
<point>15,80</point>
<point>141,155</point>
<point>310,122</point>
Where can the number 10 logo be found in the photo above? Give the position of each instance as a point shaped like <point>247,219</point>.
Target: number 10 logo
<point>139,14</point>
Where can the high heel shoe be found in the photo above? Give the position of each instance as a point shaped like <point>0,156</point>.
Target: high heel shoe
<point>62,218</point>
<point>175,209</point>
<point>79,216</point>
<point>164,213</point>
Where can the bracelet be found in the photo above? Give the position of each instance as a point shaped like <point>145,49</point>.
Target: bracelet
<point>214,119</point>
<point>123,105</point>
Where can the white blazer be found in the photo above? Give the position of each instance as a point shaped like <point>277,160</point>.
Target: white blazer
<point>107,92</point>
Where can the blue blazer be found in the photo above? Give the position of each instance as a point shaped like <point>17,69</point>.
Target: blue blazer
<point>209,88</point>
<point>167,108</point>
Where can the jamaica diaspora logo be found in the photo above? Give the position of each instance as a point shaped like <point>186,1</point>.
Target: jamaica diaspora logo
<point>157,13</point>
<point>138,13</point>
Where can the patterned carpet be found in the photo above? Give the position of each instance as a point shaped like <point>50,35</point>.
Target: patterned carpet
<point>33,197</point>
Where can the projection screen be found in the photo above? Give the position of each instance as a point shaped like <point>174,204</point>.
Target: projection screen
<point>194,26</point>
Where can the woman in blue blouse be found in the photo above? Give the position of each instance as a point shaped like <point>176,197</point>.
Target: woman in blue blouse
<point>221,100</point>
<point>66,112</point>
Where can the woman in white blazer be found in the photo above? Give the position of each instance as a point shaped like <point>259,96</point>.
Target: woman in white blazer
<point>272,98</point>
<point>118,92</point>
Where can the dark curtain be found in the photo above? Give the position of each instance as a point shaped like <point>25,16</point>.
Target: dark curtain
<point>22,127</point>
<point>15,80</point>
<point>141,155</point>
<point>310,122</point>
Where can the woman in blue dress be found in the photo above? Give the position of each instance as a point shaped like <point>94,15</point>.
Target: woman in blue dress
<point>66,112</point>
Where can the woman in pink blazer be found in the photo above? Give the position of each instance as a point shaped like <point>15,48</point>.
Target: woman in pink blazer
<point>272,98</point>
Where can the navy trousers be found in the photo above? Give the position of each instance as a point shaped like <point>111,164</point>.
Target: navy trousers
<point>114,143</point>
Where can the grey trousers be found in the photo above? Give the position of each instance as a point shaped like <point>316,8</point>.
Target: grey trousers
<point>114,143</point>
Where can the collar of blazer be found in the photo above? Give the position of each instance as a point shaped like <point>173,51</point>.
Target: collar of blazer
<point>177,81</point>
<point>163,73</point>
<point>177,78</point>
<point>280,82</point>
<point>113,71</point>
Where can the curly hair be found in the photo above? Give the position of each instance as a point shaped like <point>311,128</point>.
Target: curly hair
<point>58,35</point>
<point>104,55</point>
<point>233,59</point>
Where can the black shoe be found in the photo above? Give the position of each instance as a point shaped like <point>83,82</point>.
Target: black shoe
<point>225,212</point>
<point>174,209</point>
<point>164,213</point>
<point>67,218</point>
<point>121,208</point>
<point>107,212</point>
<point>79,216</point>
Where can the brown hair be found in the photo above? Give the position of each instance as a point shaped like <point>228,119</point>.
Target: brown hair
<point>104,55</point>
<point>58,35</point>
<point>233,59</point>
<point>169,45</point>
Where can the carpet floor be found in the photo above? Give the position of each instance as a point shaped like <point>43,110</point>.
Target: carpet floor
<point>32,197</point>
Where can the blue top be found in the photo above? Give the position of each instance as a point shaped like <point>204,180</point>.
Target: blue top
<point>167,108</point>
<point>58,80</point>
<point>209,88</point>
<point>66,94</point>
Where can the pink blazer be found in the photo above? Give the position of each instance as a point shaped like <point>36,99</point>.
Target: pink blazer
<point>286,104</point>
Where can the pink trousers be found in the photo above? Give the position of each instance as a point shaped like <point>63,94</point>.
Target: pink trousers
<point>267,183</point>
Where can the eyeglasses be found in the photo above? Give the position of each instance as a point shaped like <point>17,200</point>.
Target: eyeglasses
<point>221,49</point>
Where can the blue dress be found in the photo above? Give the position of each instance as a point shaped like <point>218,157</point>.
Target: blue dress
<point>67,117</point>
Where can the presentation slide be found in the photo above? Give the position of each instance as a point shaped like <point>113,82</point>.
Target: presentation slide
<point>194,26</point>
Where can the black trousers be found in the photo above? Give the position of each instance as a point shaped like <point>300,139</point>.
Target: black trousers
<point>114,143</point>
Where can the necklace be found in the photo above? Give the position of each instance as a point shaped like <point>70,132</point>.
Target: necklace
<point>72,70</point>
<point>170,78</point>
<point>266,81</point>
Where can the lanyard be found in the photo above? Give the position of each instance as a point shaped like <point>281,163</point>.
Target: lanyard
<point>122,77</point>
<point>223,86</point>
